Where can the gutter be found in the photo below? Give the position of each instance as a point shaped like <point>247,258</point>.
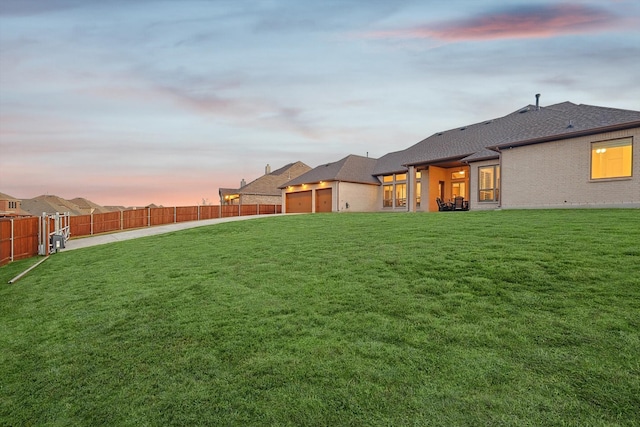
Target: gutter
<point>436,161</point>
<point>558,137</point>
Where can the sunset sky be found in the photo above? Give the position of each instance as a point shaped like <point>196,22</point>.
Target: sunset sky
<point>131,102</point>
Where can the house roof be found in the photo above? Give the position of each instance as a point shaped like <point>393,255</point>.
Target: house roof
<point>4,196</point>
<point>50,205</point>
<point>527,125</point>
<point>12,212</point>
<point>87,206</point>
<point>352,168</point>
<point>269,184</point>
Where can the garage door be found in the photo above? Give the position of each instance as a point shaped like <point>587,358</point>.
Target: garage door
<point>298,202</point>
<point>323,200</point>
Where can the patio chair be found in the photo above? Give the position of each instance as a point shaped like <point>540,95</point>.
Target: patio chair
<point>460,204</point>
<point>442,206</point>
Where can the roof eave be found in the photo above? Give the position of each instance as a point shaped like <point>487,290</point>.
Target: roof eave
<point>569,135</point>
<point>436,161</point>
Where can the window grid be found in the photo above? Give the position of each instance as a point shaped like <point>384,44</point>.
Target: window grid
<point>489,183</point>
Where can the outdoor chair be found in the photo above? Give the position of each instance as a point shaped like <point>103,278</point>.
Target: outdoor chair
<point>459,204</point>
<point>442,206</point>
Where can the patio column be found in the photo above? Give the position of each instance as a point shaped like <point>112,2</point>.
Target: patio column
<point>411,189</point>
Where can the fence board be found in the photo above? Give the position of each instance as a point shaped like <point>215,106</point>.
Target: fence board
<point>25,240</point>
<point>269,209</point>
<point>229,210</point>
<point>106,222</point>
<point>209,212</point>
<point>135,218</point>
<point>186,213</point>
<point>80,225</point>
<point>160,216</point>
<point>5,241</point>
<point>246,210</point>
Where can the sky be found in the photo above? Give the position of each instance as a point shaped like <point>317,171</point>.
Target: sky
<point>133,102</point>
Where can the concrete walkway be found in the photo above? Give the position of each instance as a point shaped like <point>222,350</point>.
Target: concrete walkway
<point>102,239</point>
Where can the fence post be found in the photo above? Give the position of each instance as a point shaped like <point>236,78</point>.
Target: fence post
<point>148,216</point>
<point>12,243</point>
<point>175,214</point>
<point>198,212</point>
<point>40,249</point>
<point>91,219</point>
<point>121,220</point>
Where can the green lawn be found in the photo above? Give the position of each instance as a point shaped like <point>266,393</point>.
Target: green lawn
<point>462,318</point>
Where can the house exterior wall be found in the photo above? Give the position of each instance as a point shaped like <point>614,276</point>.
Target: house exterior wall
<point>435,175</point>
<point>557,175</point>
<point>360,197</point>
<point>9,206</point>
<point>425,194</point>
<point>474,203</point>
<point>256,199</point>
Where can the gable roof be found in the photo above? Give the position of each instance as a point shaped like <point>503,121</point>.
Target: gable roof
<point>527,125</point>
<point>352,168</point>
<point>269,184</point>
<point>50,205</point>
<point>4,196</point>
<point>88,207</point>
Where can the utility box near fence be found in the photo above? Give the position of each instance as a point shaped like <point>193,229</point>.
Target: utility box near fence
<point>57,242</point>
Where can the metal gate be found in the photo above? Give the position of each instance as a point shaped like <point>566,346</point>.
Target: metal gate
<point>53,232</point>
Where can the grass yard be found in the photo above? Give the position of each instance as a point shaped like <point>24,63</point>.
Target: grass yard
<point>464,318</point>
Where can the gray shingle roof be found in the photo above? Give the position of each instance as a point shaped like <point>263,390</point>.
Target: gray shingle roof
<point>4,196</point>
<point>352,168</point>
<point>525,125</point>
<point>269,184</point>
<point>50,204</point>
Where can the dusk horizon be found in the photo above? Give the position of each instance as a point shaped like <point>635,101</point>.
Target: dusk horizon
<point>152,102</point>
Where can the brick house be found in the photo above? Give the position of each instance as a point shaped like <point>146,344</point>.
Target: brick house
<point>263,190</point>
<point>347,184</point>
<point>11,207</point>
<point>562,155</point>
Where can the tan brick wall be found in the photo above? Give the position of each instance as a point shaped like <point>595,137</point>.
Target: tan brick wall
<point>361,197</point>
<point>557,174</point>
<point>253,199</point>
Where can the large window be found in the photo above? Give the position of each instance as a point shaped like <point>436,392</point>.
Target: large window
<point>489,183</point>
<point>458,189</point>
<point>611,159</point>
<point>394,190</point>
<point>387,200</point>
<point>401,194</point>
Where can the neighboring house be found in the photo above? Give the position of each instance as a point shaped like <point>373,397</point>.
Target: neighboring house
<point>11,207</point>
<point>264,190</point>
<point>563,155</point>
<point>347,184</point>
<point>88,207</point>
<point>50,204</point>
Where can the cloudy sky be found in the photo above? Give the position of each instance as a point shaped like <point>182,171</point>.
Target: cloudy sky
<point>132,102</point>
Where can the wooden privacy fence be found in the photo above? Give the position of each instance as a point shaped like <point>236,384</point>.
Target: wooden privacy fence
<point>19,237</point>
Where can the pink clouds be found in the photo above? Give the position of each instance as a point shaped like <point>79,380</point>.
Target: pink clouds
<point>514,23</point>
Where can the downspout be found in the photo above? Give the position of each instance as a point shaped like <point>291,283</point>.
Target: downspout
<point>337,196</point>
